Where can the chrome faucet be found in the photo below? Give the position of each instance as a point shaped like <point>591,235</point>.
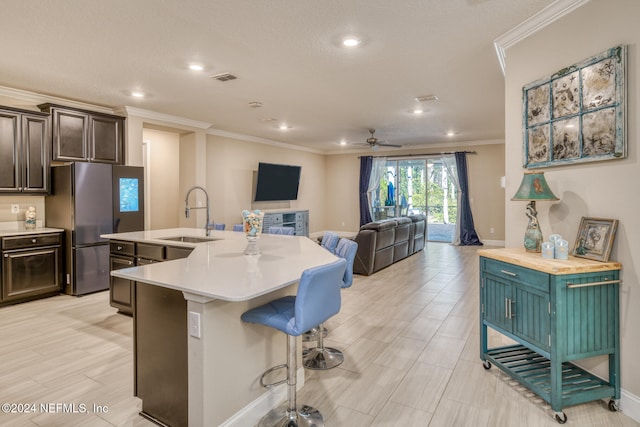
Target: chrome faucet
<point>207,226</point>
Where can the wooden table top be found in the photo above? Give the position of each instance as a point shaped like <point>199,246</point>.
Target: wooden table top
<point>574,265</point>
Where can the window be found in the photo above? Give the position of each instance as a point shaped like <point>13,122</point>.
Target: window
<point>419,186</point>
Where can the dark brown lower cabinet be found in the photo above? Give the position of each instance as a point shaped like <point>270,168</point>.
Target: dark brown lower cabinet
<point>126,254</point>
<point>31,267</point>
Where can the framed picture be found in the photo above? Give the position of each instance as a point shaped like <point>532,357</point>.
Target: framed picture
<point>577,114</point>
<point>595,238</point>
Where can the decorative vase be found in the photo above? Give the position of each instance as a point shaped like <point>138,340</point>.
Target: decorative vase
<point>252,226</point>
<point>30,218</point>
<point>533,237</point>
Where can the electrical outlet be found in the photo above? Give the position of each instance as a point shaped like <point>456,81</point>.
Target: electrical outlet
<point>492,230</point>
<point>15,209</point>
<point>194,324</point>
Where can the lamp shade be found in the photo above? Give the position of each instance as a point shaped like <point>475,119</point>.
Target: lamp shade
<point>534,187</point>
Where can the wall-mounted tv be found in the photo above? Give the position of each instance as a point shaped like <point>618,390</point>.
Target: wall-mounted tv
<point>277,182</point>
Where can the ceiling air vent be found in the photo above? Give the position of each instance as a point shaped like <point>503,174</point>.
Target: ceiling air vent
<point>425,98</point>
<point>223,77</point>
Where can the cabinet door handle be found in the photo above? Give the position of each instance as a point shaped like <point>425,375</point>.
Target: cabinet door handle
<point>119,248</point>
<point>6,255</point>
<point>508,308</point>
<point>508,273</point>
<point>582,285</point>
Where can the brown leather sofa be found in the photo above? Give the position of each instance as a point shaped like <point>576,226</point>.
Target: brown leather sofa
<point>381,243</point>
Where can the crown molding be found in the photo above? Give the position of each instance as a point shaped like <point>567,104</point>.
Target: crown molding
<point>259,140</point>
<point>37,98</point>
<point>407,149</point>
<point>546,16</point>
<point>175,120</point>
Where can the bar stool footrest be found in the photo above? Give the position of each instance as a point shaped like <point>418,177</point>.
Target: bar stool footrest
<point>270,370</point>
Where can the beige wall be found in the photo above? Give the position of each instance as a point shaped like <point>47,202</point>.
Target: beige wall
<point>485,193</point>
<point>163,167</point>
<point>231,167</point>
<point>605,189</point>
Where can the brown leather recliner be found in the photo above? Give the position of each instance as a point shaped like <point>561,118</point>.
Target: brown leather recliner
<point>381,243</point>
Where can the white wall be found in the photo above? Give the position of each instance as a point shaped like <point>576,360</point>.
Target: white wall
<point>163,167</point>
<point>605,189</point>
<point>231,167</point>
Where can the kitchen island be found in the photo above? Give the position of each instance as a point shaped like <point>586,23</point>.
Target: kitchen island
<point>187,312</point>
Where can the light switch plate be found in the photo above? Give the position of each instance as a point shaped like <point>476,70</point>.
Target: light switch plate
<point>15,209</point>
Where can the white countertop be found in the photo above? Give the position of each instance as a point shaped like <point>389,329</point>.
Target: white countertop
<point>21,231</point>
<point>220,270</point>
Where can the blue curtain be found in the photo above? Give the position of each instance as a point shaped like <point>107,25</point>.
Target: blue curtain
<point>366,163</point>
<point>468,235</point>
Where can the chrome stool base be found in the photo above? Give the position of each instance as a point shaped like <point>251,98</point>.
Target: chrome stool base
<point>312,335</point>
<point>279,417</point>
<point>322,358</point>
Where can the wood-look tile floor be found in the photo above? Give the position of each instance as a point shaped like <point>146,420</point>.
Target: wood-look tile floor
<point>409,334</point>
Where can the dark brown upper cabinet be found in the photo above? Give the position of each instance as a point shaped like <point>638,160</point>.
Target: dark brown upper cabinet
<point>24,151</point>
<point>85,136</point>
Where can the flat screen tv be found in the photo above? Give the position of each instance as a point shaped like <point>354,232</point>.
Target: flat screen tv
<point>277,182</point>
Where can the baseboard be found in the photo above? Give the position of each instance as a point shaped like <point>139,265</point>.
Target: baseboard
<point>493,243</point>
<point>251,414</point>
<point>630,405</point>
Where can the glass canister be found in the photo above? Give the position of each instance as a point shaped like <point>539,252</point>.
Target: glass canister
<point>561,249</point>
<point>30,218</point>
<point>548,250</point>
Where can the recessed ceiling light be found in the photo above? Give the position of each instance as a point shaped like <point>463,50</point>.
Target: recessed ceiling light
<point>418,111</point>
<point>343,142</point>
<point>284,126</point>
<point>451,133</point>
<point>137,94</point>
<point>351,42</point>
<point>196,67</point>
<point>255,104</point>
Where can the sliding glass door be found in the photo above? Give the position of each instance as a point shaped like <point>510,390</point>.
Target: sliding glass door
<point>418,186</point>
<point>442,206</point>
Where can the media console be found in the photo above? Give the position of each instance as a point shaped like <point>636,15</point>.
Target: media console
<point>295,219</point>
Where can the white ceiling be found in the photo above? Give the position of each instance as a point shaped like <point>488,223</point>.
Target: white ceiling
<point>285,54</point>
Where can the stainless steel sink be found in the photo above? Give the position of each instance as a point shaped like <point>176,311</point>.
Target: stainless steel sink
<point>190,239</point>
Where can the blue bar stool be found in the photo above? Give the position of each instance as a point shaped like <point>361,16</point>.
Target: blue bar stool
<point>238,227</point>
<point>321,357</point>
<point>289,231</point>
<point>329,242</point>
<point>317,300</point>
<point>219,226</point>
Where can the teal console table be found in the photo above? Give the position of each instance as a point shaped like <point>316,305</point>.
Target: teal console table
<point>557,312</point>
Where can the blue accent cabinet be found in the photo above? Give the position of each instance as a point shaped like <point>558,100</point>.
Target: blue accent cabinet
<point>557,312</point>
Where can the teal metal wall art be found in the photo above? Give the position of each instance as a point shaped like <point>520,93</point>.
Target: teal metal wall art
<point>577,114</point>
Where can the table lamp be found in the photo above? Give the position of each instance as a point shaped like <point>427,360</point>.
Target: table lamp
<point>533,188</point>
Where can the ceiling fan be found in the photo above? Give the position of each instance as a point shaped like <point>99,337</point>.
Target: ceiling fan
<point>374,143</point>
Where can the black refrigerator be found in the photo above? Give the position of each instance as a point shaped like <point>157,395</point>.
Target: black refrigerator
<point>88,200</point>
